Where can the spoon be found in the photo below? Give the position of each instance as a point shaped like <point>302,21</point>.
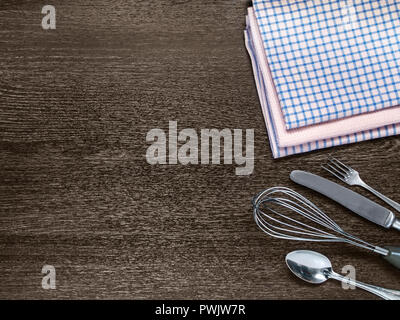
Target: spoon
<point>315,268</point>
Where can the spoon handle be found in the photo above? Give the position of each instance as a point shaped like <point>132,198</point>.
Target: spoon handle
<point>386,294</point>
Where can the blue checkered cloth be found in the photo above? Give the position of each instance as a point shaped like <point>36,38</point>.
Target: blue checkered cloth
<point>331,59</point>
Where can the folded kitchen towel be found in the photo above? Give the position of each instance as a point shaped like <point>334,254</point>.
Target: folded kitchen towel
<point>308,138</point>
<point>331,59</point>
<point>278,151</point>
<point>344,21</point>
<point>325,130</point>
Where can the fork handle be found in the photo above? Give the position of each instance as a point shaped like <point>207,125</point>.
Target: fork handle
<point>390,202</point>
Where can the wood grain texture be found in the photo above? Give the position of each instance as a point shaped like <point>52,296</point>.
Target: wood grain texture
<point>76,191</point>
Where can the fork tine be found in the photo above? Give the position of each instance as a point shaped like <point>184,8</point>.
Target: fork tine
<point>334,166</point>
<point>340,163</point>
<point>337,169</point>
<point>337,175</point>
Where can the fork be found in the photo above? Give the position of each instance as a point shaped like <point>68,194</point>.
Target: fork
<point>352,178</point>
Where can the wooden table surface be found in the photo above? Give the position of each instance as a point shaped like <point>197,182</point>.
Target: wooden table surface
<point>76,189</point>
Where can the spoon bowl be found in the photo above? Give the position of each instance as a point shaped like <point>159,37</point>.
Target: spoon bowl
<point>315,268</point>
<point>309,266</point>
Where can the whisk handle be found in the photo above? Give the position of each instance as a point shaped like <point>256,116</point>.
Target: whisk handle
<point>394,256</point>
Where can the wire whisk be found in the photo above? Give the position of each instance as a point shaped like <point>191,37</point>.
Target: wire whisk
<point>269,204</point>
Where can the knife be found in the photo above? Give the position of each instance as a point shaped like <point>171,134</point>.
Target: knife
<point>351,200</point>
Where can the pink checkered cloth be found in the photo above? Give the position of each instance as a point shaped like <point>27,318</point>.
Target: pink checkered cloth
<point>286,142</point>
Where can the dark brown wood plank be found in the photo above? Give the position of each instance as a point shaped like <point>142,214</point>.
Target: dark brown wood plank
<point>76,191</point>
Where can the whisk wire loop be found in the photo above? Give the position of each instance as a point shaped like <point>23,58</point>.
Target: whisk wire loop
<point>282,226</point>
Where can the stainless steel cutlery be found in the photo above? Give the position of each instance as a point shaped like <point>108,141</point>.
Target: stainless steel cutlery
<point>351,200</point>
<point>285,214</point>
<point>352,178</point>
<point>315,268</point>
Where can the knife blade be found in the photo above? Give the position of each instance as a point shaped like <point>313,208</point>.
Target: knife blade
<point>351,200</point>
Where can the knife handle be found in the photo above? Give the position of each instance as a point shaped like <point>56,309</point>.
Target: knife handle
<point>394,256</point>
<point>396,224</point>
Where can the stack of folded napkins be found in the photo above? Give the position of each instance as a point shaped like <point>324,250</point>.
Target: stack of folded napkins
<point>327,71</point>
